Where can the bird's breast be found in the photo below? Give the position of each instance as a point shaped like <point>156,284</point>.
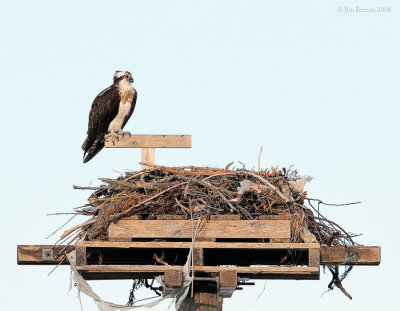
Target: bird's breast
<point>126,91</point>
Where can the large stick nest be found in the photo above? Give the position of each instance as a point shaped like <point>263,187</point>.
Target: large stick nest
<point>204,191</point>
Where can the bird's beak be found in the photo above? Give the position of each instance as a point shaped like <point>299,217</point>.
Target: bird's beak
<point>131,80</point>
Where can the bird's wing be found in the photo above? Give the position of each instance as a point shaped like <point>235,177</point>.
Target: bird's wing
<point>133,104</point>
<point>104,109</point>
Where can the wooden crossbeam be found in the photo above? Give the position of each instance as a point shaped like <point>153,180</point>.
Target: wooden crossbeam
<point>368,255</point>
<point>199,244</point>
<point>42,254</point>
<point>152,141</point>
<point>103,272</point>
<point>206,269</point>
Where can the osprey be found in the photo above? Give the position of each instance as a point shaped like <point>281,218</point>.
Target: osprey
<point>110,112</point>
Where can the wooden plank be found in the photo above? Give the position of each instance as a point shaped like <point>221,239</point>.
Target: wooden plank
<point>218,229</point>
<point>207,269</point>
<point>198,257</point>
<point>152,141</point>
<point>120,239</point>
<point>81,258</point>
<point>173,278</point>
<point>199,244</point>
<point>33,254</point>
<point>276,217</point>
<point>148,157</point>
<point>368,255</point>
<point>313,257</point>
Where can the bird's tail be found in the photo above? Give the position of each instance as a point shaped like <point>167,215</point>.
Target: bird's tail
<point>91,149</point>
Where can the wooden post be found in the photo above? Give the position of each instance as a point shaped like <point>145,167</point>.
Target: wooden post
<point>148,156</point>
<point>205,298</point>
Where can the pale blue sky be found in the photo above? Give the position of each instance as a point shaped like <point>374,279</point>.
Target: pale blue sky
<point>316,88</point>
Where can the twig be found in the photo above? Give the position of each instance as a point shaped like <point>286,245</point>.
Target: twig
<point>52,270</point>
<point>57,214</point>
<point>61,226</point>
<point>228,165</point>
<point>87,188</point>
<point>69,231</point>
<point>120,183</point>
<point>332,204</point>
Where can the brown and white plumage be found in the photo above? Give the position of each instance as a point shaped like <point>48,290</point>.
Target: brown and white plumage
<point>110,112</point>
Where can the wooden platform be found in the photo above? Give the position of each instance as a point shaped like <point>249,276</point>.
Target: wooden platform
<point>226,249</point>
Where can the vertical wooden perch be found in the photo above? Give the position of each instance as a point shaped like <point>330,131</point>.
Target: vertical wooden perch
<point>148,143</point>
<point>148,156</point>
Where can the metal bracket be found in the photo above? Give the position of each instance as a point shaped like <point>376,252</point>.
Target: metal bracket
<point>47,254</point>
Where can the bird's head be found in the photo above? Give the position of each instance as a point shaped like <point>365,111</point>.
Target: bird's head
<point>120,75</point>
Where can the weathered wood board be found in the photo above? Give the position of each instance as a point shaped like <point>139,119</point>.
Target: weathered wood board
<point>207,269</point>
<point>213,229</point>
<point>368,255</point>
<point>199,244</point>
<point>42,254</point>
<point>152,141</point>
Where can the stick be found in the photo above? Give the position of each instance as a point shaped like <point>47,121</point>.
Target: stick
<point>333,204</point>
<point>87,188</point>
<point>120,183</point>
<point>280,194</point>
<point>60,227</point>
<point>69,231</point>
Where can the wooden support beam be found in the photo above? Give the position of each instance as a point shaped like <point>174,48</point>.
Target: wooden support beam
<point>33,254</point>
<point>42,254</point>
<point>227,283</point>
<point>152,141</point>
<point>217,229</point>
<point>81,258</point>
<point>205,298</point>
<point>199,244</point>
<point>148,157</point>
<point>173,278</point>
<point>207,269</point>
<point>368,255</point>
